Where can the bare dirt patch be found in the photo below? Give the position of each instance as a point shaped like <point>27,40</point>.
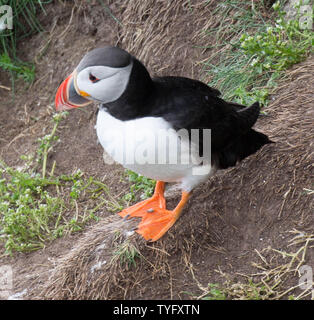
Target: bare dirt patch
<point>232,220</point>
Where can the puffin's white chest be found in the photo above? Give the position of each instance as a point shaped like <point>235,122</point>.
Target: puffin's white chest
<point>148,146</point>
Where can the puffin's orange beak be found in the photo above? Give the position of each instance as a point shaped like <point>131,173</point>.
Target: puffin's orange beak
<point>67,96</point>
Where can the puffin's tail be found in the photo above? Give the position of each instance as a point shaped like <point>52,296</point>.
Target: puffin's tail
<point>240,148</point>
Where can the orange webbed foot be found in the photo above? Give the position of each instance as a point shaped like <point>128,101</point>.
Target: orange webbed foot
<point>156,219</point>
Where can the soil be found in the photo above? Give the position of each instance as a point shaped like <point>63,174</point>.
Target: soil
<point>241,212</point>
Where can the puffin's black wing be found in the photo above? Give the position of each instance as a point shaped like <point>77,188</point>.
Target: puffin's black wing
<point>191,104</point>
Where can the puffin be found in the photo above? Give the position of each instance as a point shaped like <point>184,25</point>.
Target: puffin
<point>170,129</point>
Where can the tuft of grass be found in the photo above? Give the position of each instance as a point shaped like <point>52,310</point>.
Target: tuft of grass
<point>126,253</point>
<point>18,69</point>
<point>254,53</point>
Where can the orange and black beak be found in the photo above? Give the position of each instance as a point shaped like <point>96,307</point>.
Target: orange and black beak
<point>68,96</point>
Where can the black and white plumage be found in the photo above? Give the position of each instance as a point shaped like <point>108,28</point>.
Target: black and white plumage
<point>130,98</point>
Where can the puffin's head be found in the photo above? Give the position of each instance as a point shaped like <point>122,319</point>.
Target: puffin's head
<point>101,76</point>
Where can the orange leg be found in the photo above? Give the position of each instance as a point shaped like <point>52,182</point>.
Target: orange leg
<point>156,219</point>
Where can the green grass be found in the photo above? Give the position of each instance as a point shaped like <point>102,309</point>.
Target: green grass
<point>257,53</point>
<point>25,23</point>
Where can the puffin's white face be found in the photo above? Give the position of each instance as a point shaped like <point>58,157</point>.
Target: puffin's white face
<point>102,83</point>
<point>102,75</point>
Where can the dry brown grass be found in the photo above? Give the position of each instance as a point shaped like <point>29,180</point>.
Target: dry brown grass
<point>92,269</point>
<point>282,267</point>
<point>153,30</point>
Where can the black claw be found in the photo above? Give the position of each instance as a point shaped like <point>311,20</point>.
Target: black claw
<point>126,217</point>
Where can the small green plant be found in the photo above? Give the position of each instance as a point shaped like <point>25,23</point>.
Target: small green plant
<point>278,47</point>
<point>215,293</point>
<point>257,53</point>
<point>46,142</point>
<point>140,184</point>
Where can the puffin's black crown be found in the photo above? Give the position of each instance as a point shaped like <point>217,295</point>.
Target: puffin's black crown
<point>107,56</point>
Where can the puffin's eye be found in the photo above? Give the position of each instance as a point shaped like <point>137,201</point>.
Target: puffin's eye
<point>93,78</point>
